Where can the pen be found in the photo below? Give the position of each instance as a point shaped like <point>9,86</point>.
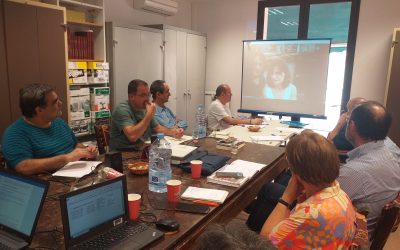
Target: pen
<point>208,203</point>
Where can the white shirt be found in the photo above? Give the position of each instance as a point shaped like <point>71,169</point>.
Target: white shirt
<point>216,112</point>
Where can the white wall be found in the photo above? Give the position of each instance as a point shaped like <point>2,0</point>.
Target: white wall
<point>122,12</point>
<point>375,28</point>
<point>227,23</point>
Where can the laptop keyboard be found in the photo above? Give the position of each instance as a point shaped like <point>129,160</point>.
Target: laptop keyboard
<point>112,237</point>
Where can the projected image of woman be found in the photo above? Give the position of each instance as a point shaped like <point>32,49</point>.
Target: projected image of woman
<point>278,85</point>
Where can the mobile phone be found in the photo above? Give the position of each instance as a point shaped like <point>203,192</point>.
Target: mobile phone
<point>192,208</point>
<point>236,175</point>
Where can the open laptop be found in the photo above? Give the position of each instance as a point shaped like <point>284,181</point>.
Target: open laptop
<point>21,200</point>
<point>97,217</point>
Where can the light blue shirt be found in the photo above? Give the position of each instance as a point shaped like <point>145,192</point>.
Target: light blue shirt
<point>165,117</point>
<point>371,178</point>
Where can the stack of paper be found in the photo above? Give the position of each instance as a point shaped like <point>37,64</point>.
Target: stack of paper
<point>206,194</point>
<point>247,168</point>
<point>77,169</point>
<point>267,138</point>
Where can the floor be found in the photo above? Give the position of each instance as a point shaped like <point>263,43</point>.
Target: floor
<point>393,242</point>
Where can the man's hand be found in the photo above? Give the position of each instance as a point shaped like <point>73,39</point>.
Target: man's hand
<point>150,108</point>
<point>293,190</point>
<point>177,132</point>
<point>93,152</point>
<point>257,121</point>
<point>79,153</point>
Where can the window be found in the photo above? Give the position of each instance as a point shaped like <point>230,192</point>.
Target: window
<point>303,19</point>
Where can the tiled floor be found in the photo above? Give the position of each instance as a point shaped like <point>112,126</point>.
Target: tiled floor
<point>393,242</point>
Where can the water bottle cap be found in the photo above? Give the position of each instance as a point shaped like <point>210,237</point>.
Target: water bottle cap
<point>160,135</point>
<point>200,106</point>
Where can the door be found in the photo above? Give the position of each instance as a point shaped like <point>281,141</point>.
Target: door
<point>392,101</point>
<point>170,61</point>
<point>151,56</point>
<point>180,67</point>
<point>196,72</point>
<point>5,112</point>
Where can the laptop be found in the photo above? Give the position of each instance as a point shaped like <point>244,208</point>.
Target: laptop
<point>97,217</point>
<point>180,153</point>
<point>21,200</point>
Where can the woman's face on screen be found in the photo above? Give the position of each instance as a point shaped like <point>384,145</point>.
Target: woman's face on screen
<point>277,76</point>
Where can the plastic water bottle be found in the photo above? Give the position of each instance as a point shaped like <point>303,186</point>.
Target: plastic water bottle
<point>200,129</point>
<point>159,164</point>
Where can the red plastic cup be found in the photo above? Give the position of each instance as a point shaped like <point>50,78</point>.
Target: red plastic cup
<point>196,166</point>
<point>134,206</point>
<point>173,190</point>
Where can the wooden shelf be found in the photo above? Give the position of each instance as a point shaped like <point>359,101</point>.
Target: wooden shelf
<point>80,4</point>
<point>84,24</point>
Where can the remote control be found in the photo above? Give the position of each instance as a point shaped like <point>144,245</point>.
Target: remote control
<point>236,175</point>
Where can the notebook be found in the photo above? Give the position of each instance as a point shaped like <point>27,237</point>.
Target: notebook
<point>97,217</point>
<point>181,152</point>
<point>205,194</point>
<point>21,200</point>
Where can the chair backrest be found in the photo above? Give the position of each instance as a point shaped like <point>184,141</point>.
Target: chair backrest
<point>103,137</point>
<point>389,222</point>
<point>360,240</point>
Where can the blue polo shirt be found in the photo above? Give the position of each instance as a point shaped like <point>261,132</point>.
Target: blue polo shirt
<point>23,141</point>
<point>165,117</point>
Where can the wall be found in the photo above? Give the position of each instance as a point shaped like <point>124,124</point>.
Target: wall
<point>122,12</point>
<point>227,23</point>
<point>375,29</point>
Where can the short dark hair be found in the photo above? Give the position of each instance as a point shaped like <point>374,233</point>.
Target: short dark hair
<point>32,96</point>
<point>282,67</point>
<point>157,87</point>
<point>134,85</point>
<point>219,91</point>
<point>372,120</point>
<point>313,158</point>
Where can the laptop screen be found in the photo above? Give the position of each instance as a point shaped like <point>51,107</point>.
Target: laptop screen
<point>21,198</point>
<point>87,209</point>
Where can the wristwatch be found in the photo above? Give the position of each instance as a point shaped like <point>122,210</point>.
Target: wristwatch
<point>283,202</point>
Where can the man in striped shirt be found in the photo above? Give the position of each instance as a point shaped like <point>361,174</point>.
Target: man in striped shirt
<point>41,141</point>
<point>371,175</point>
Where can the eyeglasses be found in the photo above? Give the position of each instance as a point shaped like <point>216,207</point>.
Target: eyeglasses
<point>143,95</point>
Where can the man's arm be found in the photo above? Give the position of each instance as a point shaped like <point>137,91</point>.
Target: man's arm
<point>235,121</point>
<point>36,166</point>
<point>341,122</point>
<point>135,131</point>
<point>173,132</point>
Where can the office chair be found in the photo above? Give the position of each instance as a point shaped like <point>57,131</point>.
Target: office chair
<point>388,223</point>
<point>102,133</point>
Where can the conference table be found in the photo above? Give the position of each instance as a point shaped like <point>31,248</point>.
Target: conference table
<point>49,229</point>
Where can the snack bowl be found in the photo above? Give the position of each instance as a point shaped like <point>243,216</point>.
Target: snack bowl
<point>253,128</point>
<point>139,168</point>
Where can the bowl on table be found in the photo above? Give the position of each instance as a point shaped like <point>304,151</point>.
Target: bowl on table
<point>139,167</point>
<point>253,128</point>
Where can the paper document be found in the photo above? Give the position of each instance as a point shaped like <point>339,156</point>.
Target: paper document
<point>267,138</point>
<point>291,130</point>
<point>207,194</point>
<point>77,169</point>
<point>176,141</point>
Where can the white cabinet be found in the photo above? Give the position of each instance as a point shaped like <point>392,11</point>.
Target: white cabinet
<point>134,52</point>
<point>184,71</point>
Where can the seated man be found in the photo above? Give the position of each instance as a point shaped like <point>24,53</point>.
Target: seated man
<point>41,141</point>
<point>219,115</point>
<point>337,135</point>
<point>324,217</point>
<point>371,176</point>
<point>160,92</point>
<point>132,121</point>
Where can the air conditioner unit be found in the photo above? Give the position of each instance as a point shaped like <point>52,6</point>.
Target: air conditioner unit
<point>165,7</point>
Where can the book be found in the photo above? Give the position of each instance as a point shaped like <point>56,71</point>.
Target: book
<point>181,152</point>
<point>247,168</point>
<point>205,194</point>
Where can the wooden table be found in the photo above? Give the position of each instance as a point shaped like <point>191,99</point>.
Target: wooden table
<point>191,225</point>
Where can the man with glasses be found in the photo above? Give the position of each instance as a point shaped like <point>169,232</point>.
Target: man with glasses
<point>40,141</point>
<point>133,120</point>
<point>160,93</point>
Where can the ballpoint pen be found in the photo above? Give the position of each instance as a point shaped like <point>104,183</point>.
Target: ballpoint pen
<point>208,203</point>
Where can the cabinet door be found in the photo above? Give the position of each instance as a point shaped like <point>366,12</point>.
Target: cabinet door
<point>196,72</point>
<point>170,74</point>
<point>5,112</point>
<point>22,50</point>
<point>53,53</point>
<point>151,56</point>
<point>180,67</point>
<point>392,101</point>
<point>126,62</point>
